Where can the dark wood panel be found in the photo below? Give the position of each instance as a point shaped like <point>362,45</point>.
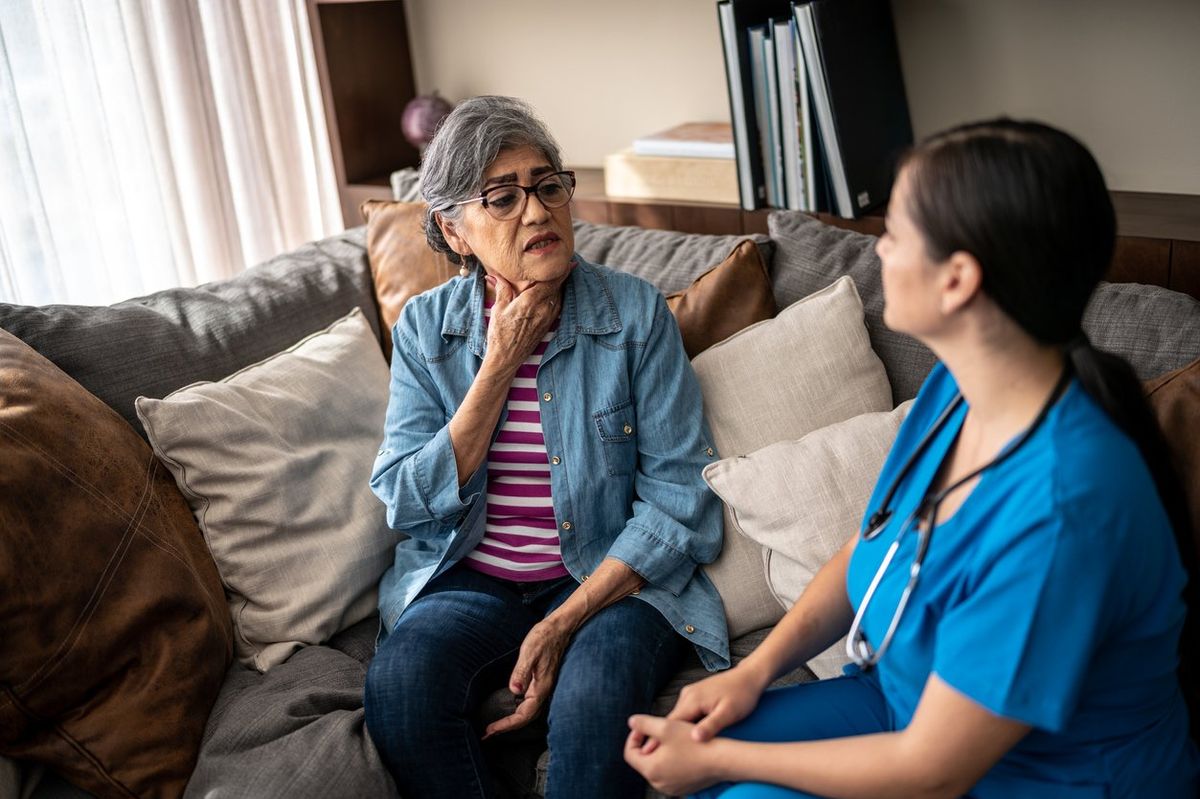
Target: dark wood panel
<point>588,210</point>
<point>1140,260</point>
<point>707,219</point>
<point>1185,267</point>
<point>755,221</point>
<point>872,225</point>
<point>654,217</point>
<point>1157,216</point>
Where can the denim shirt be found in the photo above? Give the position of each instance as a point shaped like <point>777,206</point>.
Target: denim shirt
<point>621,411</point>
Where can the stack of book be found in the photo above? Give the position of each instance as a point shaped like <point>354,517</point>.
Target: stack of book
<point>693,162</point>
<point>817,102</point>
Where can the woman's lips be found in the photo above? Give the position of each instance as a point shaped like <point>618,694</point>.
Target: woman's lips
<point>542,245</point>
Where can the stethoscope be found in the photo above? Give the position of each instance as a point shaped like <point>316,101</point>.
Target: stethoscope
<point>857,646</point>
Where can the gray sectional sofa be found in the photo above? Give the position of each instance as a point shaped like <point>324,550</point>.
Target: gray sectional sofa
<point>297,730</point>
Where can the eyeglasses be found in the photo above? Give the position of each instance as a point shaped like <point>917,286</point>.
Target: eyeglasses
<point>508,201</point>
<point>857,646</point>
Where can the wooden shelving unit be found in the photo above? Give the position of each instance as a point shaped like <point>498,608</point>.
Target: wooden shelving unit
<point>1158,235</point>
<point>366,73</point>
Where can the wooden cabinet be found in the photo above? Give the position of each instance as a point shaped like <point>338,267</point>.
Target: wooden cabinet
<point>366,73</point>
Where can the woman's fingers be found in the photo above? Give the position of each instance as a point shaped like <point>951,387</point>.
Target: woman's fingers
<point>713,723</point>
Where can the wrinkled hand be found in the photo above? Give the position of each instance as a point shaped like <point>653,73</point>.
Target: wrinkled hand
<point>677,763</point>
<point>519,321</point>
<point>533,677</point>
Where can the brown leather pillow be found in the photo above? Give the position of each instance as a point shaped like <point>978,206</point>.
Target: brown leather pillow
<point>731,296</point>
<point>1175,400</point>
<point>113,622</point>
<point>402,264</point>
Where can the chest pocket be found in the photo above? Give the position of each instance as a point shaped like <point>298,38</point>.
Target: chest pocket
<point>618,437</point>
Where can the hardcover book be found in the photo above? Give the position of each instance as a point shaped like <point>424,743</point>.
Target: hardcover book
<point>655,177</point>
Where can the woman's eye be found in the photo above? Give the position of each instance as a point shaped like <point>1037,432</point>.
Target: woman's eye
<point>502,199</point>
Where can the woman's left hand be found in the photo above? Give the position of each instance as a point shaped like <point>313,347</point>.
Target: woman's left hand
<point>533,677</point>
<point>665,753</point>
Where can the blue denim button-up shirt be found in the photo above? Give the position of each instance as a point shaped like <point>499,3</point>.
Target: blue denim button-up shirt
<point>620,408</point>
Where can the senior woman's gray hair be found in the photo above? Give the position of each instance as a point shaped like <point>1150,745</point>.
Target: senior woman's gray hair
<point>466,143</point>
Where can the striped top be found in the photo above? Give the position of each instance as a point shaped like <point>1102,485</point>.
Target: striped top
<point>520,540</point>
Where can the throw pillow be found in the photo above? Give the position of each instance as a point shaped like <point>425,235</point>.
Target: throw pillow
<point>734,294</point>
<point>402,264</point>
<point>803,499</point>
<point>810,366</point>
<point>115,632</point>
<point>275,461</point>
<point>1175,399</point>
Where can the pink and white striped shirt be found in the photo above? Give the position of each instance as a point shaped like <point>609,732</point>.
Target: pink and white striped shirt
<point>520,540</point>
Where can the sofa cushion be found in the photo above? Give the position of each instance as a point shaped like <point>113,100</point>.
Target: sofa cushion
<point>733,295</point>
<point>155,344</point>
<point>668,259</point>
<point>296,731</point>
<point>1155,329</point>
<point>402,263</point>
<point>115,631</point>
<point>809,367</point>
<point>275,461</point>
<point>803,499</point>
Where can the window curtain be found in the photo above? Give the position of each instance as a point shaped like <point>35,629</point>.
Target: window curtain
<point>148,144</point>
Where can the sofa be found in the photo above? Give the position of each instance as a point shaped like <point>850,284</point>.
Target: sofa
<point>130,670</point>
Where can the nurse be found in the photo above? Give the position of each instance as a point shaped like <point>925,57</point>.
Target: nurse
<point>1034,651</point>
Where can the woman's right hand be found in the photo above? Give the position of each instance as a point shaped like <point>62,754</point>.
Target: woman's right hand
<point>520,321</point>
<point>720,700</point>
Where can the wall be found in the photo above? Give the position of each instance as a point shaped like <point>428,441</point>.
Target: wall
<point>1123,76</point>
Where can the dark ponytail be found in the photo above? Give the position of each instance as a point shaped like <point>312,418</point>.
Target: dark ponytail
<point>1029,203</point>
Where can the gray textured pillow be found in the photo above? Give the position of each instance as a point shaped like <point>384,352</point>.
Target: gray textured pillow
<point>155,344</point>
<point>807,368</point>
<point>275,462</point>
<point>1154,328</point>
<point>669,259</point>
<point>803,499</point>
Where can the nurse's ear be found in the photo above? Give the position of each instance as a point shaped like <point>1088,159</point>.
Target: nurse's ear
<point>961,281</point>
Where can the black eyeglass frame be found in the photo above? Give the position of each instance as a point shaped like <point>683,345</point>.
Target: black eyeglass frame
<point>482,198</point>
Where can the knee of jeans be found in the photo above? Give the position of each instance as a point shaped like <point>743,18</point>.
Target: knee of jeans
<point>397,696</point>
<point>581,706</point>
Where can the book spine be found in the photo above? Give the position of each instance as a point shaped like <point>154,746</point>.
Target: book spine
<point>824,111</point>
<point>737,105</point>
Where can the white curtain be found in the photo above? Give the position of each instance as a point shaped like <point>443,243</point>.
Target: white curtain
<point>154,143</point>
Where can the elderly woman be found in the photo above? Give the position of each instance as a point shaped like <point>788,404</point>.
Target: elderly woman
<point>543,448</point>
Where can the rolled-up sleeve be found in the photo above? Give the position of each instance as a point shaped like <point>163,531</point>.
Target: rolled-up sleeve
<point>415,473</point>
<point>676,520</point>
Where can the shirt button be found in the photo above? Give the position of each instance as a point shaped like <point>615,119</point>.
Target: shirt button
<point>583,579</point>
<point>556,460</point>
<point>628,429</point>
<point>637,591</point>
<point>709,451</point>
<point>566,525</point>
<point>383,452</point>
<point>689,628</point>
<point>547,396</point>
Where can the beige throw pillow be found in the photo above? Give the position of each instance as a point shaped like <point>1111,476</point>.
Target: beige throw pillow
<point>802,500</point>
<point>275,461</point>
<point>809,367</point>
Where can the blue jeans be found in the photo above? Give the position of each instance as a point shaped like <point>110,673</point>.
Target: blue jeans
<point>458,641</point>
<point>811,711</point>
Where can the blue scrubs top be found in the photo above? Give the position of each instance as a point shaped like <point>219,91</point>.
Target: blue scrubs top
<point>1052,596</point>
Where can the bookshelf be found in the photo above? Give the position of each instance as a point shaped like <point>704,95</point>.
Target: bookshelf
<point>366,74</point>
<point>1158,235</point>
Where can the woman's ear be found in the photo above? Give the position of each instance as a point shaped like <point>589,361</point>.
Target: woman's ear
<point>450,230</point>
<point>962,281</point>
